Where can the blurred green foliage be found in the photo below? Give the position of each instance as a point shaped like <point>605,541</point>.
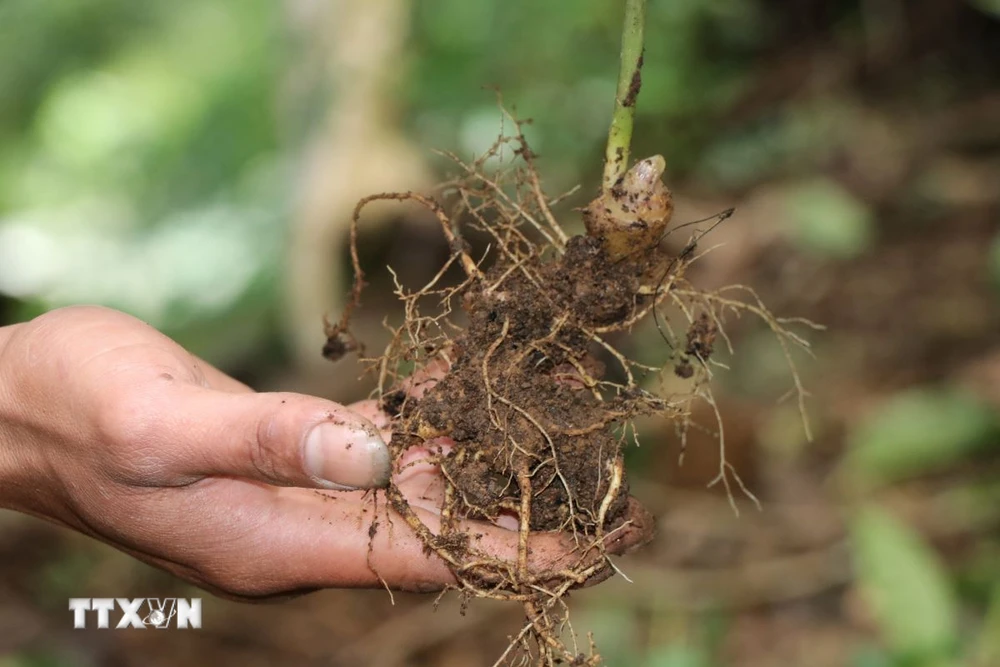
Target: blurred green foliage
<point>908,588</point>
<point>919,431</point>
<point>556,62</point>
<point>831,221</point>
<point>674,639</point>
<point>987,652</point>
<point>989,6</point>
<point>995,262</point>
<point>33,659</point>
<point>146,162</point>
<point>139,162</point>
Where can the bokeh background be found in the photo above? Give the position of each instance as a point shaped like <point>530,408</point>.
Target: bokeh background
<point>195,162</point>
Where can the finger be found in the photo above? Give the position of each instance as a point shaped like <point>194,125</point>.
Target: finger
<point>276,438</point>
<point>424,379</point>
<point>548,551</point>
<point>370,410</point>
<point>337,541</point>
<point>635,529</point>
<point>417,474</point>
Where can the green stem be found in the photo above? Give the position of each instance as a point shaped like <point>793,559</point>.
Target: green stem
<point>629,81</point>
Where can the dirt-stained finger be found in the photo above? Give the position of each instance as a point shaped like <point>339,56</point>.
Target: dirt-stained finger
<point>424,378</point>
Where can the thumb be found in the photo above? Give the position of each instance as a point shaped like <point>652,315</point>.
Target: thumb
<point>277,438</point>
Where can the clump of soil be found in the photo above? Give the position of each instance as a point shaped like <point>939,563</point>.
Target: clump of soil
<point>518,400</point>
<point>530,418</point>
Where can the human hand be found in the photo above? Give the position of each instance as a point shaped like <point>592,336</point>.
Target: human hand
<point>110,428</point>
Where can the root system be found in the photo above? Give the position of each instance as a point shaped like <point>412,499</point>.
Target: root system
<point>529,420</point>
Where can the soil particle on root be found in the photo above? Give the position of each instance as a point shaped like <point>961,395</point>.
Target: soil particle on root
<point>700,345</point>
<point>701,337</point>
<point>512,397</point>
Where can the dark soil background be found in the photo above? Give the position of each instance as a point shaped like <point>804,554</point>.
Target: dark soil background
<point>195,163</point>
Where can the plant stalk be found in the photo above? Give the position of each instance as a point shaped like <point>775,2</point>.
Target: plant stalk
<point>629,82</point>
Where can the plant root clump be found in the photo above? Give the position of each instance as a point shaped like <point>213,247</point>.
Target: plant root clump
<point>533,404</point>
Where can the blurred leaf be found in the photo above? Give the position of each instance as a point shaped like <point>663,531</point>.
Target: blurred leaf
<point>676,656</point>
<point>63,577</point>
<point>796,139</point>
<point>994,259</point>
<point>30,660</point>
<point>988,6</point>
<point>457,25</point>
<point>906,585</point>
<point>988,648</point>
<point>871,656</point>
<point>830,220</point>
<point>614,632</point>
<point>919,430</point>
<point>980,570</point>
